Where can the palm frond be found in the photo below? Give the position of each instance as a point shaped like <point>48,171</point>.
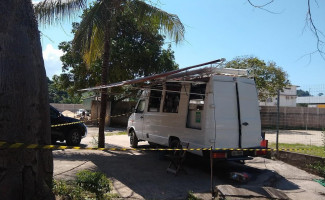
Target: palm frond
<point>170,24</point>
<point>53,11</point>
<point>90,34</point>
<point>96,47</point>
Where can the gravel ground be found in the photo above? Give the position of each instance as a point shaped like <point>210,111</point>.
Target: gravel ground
<point>306,137</point>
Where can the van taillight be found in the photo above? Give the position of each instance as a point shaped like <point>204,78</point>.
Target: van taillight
<point>264,143</point>
<point>219,155</point>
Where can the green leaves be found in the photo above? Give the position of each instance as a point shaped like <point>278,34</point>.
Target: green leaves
<point>269,77</point>
<point>134,52</point>
<point>95,182</point>
<point>53,11</point>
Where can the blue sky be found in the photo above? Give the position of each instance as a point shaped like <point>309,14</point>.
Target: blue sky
<point>227,29</point>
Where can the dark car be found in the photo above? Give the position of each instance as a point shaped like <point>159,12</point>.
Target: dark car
<point>71,133</point>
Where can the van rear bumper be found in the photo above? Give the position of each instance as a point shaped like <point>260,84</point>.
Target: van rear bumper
<point>236,155</point>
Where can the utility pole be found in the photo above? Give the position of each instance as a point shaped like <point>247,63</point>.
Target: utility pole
<point>277,123</point>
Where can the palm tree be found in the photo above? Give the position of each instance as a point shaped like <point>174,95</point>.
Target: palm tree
<point>94,35</point>
<point>24,106</point>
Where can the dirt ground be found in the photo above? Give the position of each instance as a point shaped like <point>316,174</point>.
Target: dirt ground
<point>142,174</point>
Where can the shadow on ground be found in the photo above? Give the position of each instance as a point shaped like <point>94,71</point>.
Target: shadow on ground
<point>144,173</point>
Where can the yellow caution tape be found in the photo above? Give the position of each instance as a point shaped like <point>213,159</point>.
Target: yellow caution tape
<point>79,122</point>
<point>6,145</point>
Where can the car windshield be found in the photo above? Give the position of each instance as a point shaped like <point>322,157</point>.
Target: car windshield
<point>54,112</point>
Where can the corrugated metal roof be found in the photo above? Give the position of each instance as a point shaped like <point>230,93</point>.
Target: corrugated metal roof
<point>311,99</point>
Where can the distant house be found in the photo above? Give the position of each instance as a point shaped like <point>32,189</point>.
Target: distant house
<point>287,98</point>
<point>312,101</point>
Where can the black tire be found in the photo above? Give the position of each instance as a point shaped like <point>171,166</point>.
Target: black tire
<point>133,139</point>
<point>73,138</point>
<point>53,140</point>
<point>174,144</point>
<point>151,144</point>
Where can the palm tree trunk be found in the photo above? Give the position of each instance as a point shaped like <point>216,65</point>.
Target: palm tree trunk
<point>24,106</point>
<point>103,101</point>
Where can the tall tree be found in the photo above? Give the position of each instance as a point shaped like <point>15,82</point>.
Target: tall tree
<point>97,28</point>
<point>135,53</point>
<point>95,32</point>
<point>302,93</point>
<point>269,77</point>
<point>24,106</point>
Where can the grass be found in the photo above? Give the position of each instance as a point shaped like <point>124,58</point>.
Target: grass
<point>116,133</point>
<point>190,196</point>
<point>310,149</point>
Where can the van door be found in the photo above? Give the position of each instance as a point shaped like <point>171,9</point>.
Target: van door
<point>139,118</point>
<point>225,112</point>
<point>249,113</point>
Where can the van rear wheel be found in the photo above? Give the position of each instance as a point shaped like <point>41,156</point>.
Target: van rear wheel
<point>174,144</point>
<point>133,139</point>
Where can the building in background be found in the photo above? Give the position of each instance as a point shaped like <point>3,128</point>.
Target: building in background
<point>288,98</point>
<point>312,101</point>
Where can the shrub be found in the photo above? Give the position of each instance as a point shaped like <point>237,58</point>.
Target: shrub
<point>95,182</point>
<point>66,191</point>
<point>320,168</point>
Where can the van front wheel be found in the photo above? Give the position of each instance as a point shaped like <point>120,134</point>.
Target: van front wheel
<point>133,139</point>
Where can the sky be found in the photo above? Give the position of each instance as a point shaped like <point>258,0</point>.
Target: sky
<point>228,29</point>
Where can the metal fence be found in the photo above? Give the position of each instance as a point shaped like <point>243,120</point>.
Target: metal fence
<point>301,125</point>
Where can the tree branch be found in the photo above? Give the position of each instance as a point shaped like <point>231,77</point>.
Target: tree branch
<point>317,33</point>
<point>262,7</point>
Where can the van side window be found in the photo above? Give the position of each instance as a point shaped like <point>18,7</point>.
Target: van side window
<point>172,97</point>
<point>155,98</point>
<point>197,96</point>
<point>195,106</point>
<point>140,107</point>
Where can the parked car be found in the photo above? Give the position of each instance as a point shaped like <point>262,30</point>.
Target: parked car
<point>72,133</point>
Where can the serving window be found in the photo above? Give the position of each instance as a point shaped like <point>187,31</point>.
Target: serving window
<point>195,106</point>
<point>155,99</point>
<point>172,97</point>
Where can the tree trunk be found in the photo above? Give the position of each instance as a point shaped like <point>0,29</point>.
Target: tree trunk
<point>24,107</point>
<point>103,96</point>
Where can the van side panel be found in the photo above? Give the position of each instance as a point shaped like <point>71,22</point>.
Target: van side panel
<point>159,126</point>
<point>249,113</point>
<point>226,114</point>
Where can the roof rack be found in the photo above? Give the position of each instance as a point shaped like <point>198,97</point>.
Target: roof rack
<point>207,72</point>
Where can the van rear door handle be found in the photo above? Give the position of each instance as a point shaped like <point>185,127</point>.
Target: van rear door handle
<point>245,124</point>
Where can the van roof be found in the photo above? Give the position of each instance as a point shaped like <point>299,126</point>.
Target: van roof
<point>184,74</point>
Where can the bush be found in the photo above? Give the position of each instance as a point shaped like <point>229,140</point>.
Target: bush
<point>320,168</point>
<point>66,191</point>
<point>95,182</point>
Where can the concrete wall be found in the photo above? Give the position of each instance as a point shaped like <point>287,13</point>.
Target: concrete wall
<point>95,113</point>
<point>70,107</point>
<point>293,117</point>
<point>121,112</point>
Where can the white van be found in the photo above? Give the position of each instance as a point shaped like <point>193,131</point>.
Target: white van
<point>218,110</point>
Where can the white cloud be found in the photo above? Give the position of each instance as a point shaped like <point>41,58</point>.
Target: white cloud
<point>35,1</point>
<point>52,62</point>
